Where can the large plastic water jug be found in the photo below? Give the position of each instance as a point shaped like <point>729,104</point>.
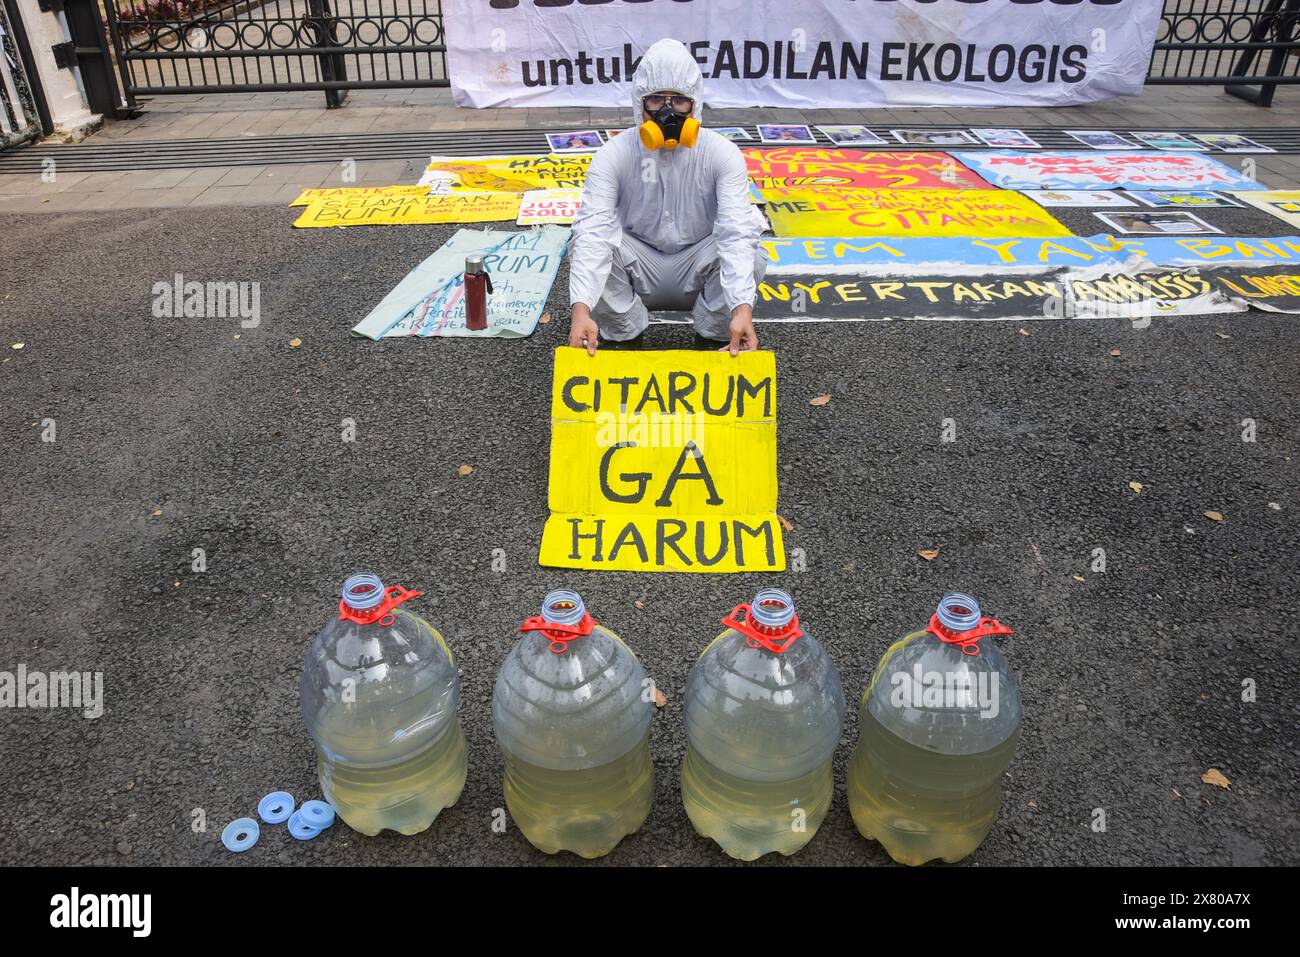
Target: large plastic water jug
<point>572,708</point>
<point>379,692</point>
<point>940,720</point>
<point>764,710</point>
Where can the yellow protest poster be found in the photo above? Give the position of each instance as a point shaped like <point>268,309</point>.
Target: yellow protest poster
<point>1282,203</point>
<point>507,174</point>
<point>840,211</point>
<point>663,461</point>
<point>400,210</point>
<point>344,192</point>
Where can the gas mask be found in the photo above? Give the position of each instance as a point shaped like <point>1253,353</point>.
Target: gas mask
<point>667,129</point>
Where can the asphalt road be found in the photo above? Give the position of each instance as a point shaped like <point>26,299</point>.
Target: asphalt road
<point>176,434</point>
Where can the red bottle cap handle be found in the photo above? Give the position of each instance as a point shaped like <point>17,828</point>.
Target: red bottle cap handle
<point>757,638</point>
<point>969,639</point>
<point>393,597</point>
<point>560,635</point>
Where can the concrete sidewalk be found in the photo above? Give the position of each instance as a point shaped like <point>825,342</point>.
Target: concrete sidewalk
<point>374,111</point>
<point>287,115</point>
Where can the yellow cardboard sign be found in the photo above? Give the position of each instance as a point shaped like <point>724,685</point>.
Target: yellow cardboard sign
<point>841,211</point>
<point>394,210</point>
<point>343,192</point>
<point>1282,203</point>
<point>507,174</point>
<point>663,461</point>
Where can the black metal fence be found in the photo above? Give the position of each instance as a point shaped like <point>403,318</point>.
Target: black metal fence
<point>222,46</point>
<point>189,46</point>
<point>1249,46</point>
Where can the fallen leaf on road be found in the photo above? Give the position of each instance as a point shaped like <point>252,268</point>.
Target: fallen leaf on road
<point>929,554</point>
<point>661,699</point>
<point>1033,804</point>
<point>1177,792</point>
<point>1137,487</point>
<point>1223,335</point>
<point>1079,578</point>
<point>546,317</point>
<point>18,345</point>
<point>294,343</point>
<point>1213,516</point>
<point>1114,353</point>
<point>1023,332</point>
<point>1215,776</point>
<point>465,470</point>
<point>157,513</point>
<point>820,400</point>
<point>785,523</point>
<point>639,603</point>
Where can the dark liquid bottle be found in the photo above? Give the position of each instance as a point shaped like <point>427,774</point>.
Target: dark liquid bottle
<point>477,286</point>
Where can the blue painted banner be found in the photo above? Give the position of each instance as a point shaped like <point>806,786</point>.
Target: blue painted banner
<point>430,301</point>
<point>1101,169</point>
<point>833,254</point>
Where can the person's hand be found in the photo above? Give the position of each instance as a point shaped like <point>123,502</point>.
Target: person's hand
<point>582,329</point>
<point>743,336</point>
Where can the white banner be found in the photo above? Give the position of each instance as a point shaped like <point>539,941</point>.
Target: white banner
<point>804,54</point>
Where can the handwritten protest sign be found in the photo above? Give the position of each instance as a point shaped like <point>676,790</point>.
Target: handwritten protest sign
<point>663,461</point>
<point>844,254</point>
<point>877,293</point>
<point>1096,169</point>
<point>507,174</point>
<point>549,206</point>
<point>344,192</point>
<point>1282,203</point>
<point>831,211</point>
<point>430,301</point>
<point>861,169</point>
<point>1134,289</point>
<point>404,210</point>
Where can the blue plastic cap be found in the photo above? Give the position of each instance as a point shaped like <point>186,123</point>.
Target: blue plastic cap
<point>240,834</point>
<point>276,807</point>
<point>316,814</point>
<point>300,829</point>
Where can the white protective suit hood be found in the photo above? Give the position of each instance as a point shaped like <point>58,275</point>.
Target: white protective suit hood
<point>667,65</point>
<point>697,194</point>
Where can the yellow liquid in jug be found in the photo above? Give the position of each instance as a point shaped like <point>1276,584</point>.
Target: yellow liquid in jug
<point>587,812</point>
<point>751,818</point>
<point>919,804</point>
<point>404,797</point>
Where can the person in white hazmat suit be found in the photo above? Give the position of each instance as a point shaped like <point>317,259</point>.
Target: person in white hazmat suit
<point>666,221</point>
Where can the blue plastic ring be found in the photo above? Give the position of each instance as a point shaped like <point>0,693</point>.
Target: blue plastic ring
<point>316,814</point>
<point>240,834</point>
<point>301,830</point>
<point>276,807</point>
